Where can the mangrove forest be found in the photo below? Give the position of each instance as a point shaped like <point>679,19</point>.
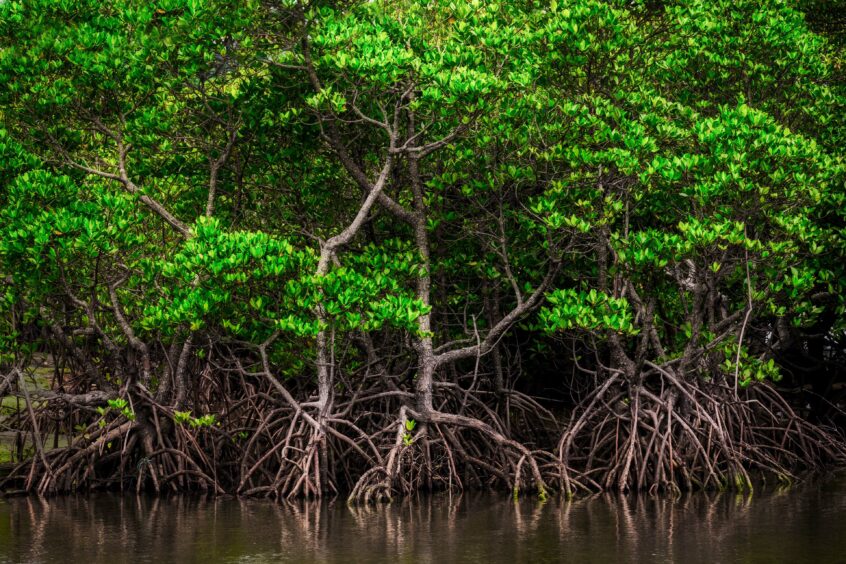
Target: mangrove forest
<point>316,248</point>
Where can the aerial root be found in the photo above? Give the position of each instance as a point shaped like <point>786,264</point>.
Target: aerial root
<point>660,433</point>
<point>673,435</point>
<point>452,452</point>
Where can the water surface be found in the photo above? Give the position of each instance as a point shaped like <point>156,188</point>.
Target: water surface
<point>805,524</point>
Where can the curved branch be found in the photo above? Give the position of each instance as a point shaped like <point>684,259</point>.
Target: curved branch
<point>504,324</point>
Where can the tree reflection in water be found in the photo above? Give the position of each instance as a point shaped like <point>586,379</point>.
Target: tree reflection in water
<point>800,525</point>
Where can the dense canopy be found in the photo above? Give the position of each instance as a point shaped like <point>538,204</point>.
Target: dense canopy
<point>296,248</point>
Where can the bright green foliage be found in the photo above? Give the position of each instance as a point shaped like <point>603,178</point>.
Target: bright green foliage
<point>749,369</point>
<point>678,164</point>
<point>696,163</point>
<point>592,311</point>
<point>239,279</point>
<point>118,405</point>
<point>183,417</point>
<point>250,284</point>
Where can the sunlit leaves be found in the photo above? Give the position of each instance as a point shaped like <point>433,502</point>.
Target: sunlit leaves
<point>586,310</point>
<point>646,150</point>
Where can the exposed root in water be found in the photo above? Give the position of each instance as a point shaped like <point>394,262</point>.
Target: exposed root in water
<point>660,432</point>
<point>667,433</point>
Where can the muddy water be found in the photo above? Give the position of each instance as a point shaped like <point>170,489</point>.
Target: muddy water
<point>805,524</point>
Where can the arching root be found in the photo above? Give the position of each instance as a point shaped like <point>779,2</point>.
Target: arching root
<point>672,434</point>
